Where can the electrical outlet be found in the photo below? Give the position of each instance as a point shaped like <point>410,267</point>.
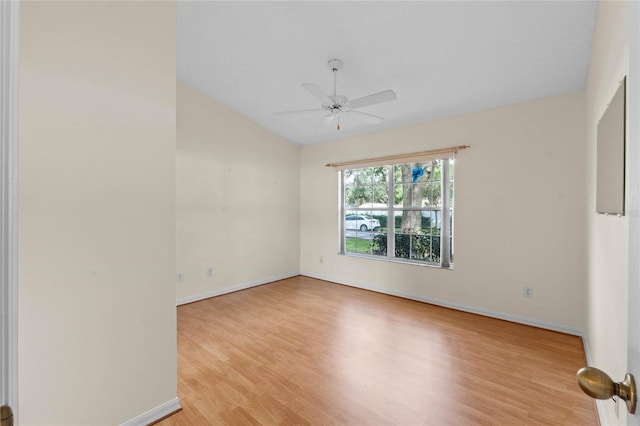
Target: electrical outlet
<point>527,292</point>
<point>179,277</point>
<point>209,272</point>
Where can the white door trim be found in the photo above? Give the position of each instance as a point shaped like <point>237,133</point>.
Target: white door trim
<point>9,203</point>
<point>633,198</point>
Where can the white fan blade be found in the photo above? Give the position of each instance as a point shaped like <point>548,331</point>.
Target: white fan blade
<point>297,111</point>
<point>318,93</point>
<point>376,98</point>
<point>369,117</point>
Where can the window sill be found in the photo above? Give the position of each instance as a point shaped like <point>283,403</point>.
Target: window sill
<point>396,260</point>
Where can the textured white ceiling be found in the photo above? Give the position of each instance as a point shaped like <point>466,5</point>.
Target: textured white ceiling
<point>441,58</point>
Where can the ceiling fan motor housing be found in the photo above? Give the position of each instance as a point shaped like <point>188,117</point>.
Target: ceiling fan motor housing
<point>335,64</point>
<point>338,101</point>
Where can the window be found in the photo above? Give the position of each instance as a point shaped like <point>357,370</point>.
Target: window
<point>401,212</point>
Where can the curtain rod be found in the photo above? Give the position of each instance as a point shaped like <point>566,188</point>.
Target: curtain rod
<point>393,158</point>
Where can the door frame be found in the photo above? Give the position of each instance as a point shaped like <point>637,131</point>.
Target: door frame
<point>633,197</point>
<point>9,19</point>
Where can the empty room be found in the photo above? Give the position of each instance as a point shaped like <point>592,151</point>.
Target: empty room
<point>319,212</point>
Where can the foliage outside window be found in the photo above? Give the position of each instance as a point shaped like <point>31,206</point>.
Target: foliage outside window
<point>401,212</point>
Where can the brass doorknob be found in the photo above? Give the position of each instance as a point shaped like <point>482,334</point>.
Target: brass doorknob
<point>6,416</point>
<point>597,384</point>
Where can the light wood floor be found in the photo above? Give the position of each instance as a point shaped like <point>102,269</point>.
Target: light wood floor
<point>303,351</point>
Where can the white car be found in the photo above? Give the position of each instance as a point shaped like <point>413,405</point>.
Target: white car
<point>361,222</point>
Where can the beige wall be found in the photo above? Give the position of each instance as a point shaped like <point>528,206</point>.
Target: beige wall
<point>608,253</point>
<point>520,212</point>
<point>97,111</point>
<point>98,233</point>
<point>237,200</point>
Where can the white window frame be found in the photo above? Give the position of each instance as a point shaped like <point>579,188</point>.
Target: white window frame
<point>9,32</point>
<point>446,231</point>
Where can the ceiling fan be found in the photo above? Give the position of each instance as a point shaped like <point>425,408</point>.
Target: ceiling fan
<point>337,105</point>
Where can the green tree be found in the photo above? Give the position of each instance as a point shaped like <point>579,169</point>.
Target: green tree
<point>368,185</point>
<point>412,194</point>
<point>425,192</point>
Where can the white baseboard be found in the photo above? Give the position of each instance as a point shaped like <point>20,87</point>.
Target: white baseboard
<point>154,414</point>
<point>587,350</point>
<point>220,292</point>
<point>464,308</point>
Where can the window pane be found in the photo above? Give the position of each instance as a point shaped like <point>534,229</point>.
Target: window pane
<point>381,217</point>
<point>417,221</point>
<point>362,222</point>
<point>404,173</point>
<point>411,194</point>
<point>421,247</point>
<point>354,177</point>
<point>367,176</point>
<point>377,196</point>
<point>451,193</point>
<point>411,222</point>
<point>380,194</point>
<point>360,230</point>
<point>431,221</point>
<point>379,175</point>
<point>379,244</point>
<point>425,248</point>
<point>416,199</point>
<point>433,195</point>
<point>357,245</point>
<point>356,196</point>
<point>403,246</point>
<point>366,188</point>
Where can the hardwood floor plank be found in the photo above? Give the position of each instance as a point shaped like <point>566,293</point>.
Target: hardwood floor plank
<point>303,351</point>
